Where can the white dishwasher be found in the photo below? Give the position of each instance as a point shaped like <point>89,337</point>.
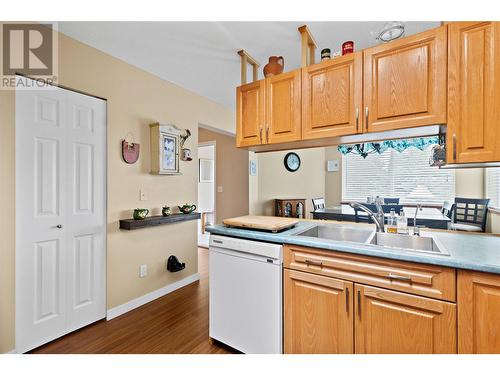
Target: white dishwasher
<point>245,281</point>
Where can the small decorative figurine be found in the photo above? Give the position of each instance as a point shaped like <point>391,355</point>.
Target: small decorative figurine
<point>187,208</point>
<point>140,213</point>
<point>185,152</point>
<point>166,211</point>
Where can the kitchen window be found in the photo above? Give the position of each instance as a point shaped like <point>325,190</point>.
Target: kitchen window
<point>493,186</point>
<point>405,175</point>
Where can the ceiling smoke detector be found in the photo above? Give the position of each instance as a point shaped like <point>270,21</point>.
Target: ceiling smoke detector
<point>390,31</point>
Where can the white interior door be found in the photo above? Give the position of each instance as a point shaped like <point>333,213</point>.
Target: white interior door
<point>60,213</point>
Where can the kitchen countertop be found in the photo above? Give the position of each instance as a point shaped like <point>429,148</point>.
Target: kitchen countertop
<point>467,251</point>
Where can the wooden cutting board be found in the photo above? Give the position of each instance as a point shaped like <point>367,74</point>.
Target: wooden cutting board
<point>270,223</point>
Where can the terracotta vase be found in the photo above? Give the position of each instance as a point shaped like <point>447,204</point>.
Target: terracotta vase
<point>274,66</point>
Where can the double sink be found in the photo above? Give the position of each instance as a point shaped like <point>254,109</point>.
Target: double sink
<point>406,243</point>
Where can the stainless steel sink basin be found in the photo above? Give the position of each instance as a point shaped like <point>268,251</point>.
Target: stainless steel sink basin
<point>409,243</point>
<point>338,233</point>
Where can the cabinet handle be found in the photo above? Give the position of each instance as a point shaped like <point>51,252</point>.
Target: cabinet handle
<point>313,262</point>
<point>357,119</point>
<point>399,277</point>
<point>260,135</point>
<point>267,133</point>
<point>359,303</point>
<point>366,117</point>
<point>454,147</point>
<point>347,300</point>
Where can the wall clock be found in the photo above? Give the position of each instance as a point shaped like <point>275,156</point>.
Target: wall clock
<point>292,162</point>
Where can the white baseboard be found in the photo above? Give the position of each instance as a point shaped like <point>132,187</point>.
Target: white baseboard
<point>137,302</point>
<point>13,351</point>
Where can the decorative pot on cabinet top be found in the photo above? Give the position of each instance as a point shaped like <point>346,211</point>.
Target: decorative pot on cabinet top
<point>274,66</point>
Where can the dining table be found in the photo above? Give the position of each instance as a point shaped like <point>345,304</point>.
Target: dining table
<point>429,217</point>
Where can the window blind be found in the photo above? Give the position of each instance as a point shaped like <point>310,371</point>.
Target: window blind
<point>493,186</point>
<point>405,175</point>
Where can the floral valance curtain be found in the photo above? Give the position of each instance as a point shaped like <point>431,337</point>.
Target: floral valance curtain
<point>365,149</point>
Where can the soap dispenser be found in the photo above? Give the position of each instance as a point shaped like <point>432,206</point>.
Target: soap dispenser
<point>402,223</point>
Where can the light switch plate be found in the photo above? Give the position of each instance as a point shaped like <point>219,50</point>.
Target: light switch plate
<point>332,165</point>
<point>220,189</point>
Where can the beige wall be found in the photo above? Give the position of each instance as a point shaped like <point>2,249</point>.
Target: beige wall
<point>254,206</point>
<point>333,180</point>
<point>231,169</point>
<point>275,181</point>
<point>469,183</point>
<point>135,99</point>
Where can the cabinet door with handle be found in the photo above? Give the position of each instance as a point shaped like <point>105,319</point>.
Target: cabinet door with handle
<point>318,314</point>
<point>283,95</point>
<point>250,114</point>
<point>473,133</point>
<point>388,322</point>
<point>478,313</point>
<point>332,97</point>
<point>405,82</point>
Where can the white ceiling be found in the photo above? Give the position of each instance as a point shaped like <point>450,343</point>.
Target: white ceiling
<point>201,56</point>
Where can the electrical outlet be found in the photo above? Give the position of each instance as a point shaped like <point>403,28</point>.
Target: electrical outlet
<point>143,270</point>
<point>220,189</point>
<point>142,195</point>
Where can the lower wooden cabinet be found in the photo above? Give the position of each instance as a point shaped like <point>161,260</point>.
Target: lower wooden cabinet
<point>318,314</point>
<point>330,308</point>
<point>478,312</point>
<point>389,322</point>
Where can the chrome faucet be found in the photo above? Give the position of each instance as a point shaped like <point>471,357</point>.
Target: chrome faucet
<point>416,229</point>
<point>378,218</point>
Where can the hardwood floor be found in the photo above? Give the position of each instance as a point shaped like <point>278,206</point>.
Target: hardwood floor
<point>176,323</point>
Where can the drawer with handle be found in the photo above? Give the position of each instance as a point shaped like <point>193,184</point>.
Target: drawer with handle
<point>416,278</point>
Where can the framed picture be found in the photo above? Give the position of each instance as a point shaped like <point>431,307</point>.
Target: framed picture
<point>206,170</point>
<point>165,149</point>
<point>170,153</point>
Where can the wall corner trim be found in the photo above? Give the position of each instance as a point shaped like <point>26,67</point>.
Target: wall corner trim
<point>142,300</point>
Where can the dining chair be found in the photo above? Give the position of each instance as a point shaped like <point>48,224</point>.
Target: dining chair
<point>363,218</point>
<point>470,214</point>
<point>391,200</point>
<point>318,203</point>
<point>447,209</point>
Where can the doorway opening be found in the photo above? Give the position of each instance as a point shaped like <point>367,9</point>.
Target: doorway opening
<point>206,190</point>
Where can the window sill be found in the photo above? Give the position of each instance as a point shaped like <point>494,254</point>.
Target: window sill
<point>494,210</point>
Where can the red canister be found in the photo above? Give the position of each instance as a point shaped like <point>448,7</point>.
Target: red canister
<point>347,47</point>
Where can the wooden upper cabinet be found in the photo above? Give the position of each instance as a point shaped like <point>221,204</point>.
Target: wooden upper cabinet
<point>318,314</point>
<point>478,313</point>
<point>390,322</point>
<point>405,82</point>
<point>283,94</point>
<point>250,114</point>
<point>332,97</point>
<point>473,131</point>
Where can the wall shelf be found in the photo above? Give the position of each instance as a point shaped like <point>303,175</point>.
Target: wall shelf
<point>153,221</point>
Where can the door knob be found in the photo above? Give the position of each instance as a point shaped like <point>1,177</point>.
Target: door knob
<point>59,226</point>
